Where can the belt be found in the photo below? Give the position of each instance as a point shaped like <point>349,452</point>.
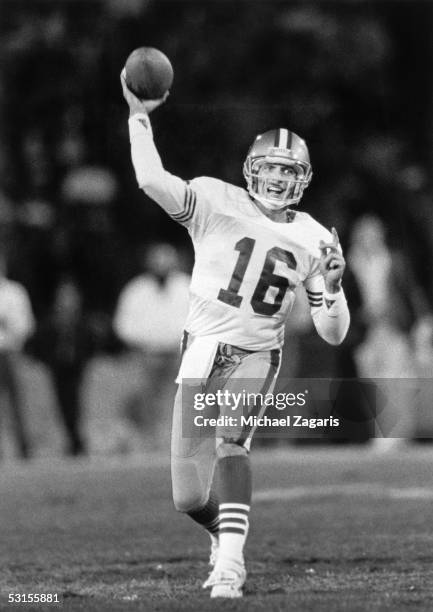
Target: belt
<point>227,350</point>
<point>223,349</point>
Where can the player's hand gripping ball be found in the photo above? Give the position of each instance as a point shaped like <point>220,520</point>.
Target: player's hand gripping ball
<point>148,73</point>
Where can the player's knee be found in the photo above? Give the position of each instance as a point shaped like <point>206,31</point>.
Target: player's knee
<point>188,501</point>
<point>229,448</point>
<point>190,482</point>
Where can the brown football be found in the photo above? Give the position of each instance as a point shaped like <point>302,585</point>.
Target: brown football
<point>149,73</point>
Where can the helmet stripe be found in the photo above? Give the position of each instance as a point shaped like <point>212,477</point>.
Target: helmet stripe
<point>284,136</point>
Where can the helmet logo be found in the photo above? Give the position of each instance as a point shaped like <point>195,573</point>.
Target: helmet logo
<point>280,152</point>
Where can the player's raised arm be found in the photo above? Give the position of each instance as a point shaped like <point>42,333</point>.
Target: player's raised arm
<point>326,296</point>
<point>169,191</point>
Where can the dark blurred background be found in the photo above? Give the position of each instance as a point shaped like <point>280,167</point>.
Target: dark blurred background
<point>352,78</point>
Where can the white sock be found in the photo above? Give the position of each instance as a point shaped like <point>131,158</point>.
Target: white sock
<point>233,533</point>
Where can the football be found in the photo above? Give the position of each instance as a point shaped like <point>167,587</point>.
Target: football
<point>148,73</point>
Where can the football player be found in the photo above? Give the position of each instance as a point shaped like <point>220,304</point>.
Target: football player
<point>252,249</point>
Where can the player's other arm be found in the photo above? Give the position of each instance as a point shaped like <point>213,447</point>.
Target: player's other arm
<point>169,191</point>
<point>326,296</point>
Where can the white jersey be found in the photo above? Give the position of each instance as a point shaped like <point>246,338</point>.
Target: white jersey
<point>247,266</point>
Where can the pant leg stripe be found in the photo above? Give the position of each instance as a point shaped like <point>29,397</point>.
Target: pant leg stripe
<point>275,357</point>
<point>184,343</point>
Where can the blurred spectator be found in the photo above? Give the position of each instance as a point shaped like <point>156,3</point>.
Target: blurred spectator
<point>392,299</point>
<point>150,315</point>
<point>352,405</point>
<point>89,241</point>
<point>89,185</point>
<point>16,325</point>
<point>422,335</point>
<point>65,340</point>
<point>32,256</point>
<point>309,358</point>
<point>392,303</point>
<point>423,343</point>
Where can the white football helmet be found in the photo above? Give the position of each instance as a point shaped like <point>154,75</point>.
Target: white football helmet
<point>278,147</point>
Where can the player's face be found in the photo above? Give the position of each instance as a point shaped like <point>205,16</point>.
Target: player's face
<point>274,180</point>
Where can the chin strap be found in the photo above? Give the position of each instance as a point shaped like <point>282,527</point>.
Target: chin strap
<point>290,213</point>
<point>262,201</point>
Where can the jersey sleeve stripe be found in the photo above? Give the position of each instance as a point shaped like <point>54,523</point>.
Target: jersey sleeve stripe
<point>186,204</point>
<point>192,206</point>
<point>315,298</point>
<point>188,212</point>
<point>190,203</point>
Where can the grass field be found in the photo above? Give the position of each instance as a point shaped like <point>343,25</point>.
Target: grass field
<point>341,529</point>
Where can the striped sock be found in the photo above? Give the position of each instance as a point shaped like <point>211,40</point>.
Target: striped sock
<point>207,516</point>
<point>235,479</point>
<point>233,532</point>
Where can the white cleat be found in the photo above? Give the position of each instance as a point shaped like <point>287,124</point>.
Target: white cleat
<point>227,582</point>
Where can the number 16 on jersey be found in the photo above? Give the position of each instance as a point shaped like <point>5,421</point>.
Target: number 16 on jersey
<point>267,278</point>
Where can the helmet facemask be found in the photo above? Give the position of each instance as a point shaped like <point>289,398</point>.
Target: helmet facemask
<point>288,191</point>
<point>286,150</point>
